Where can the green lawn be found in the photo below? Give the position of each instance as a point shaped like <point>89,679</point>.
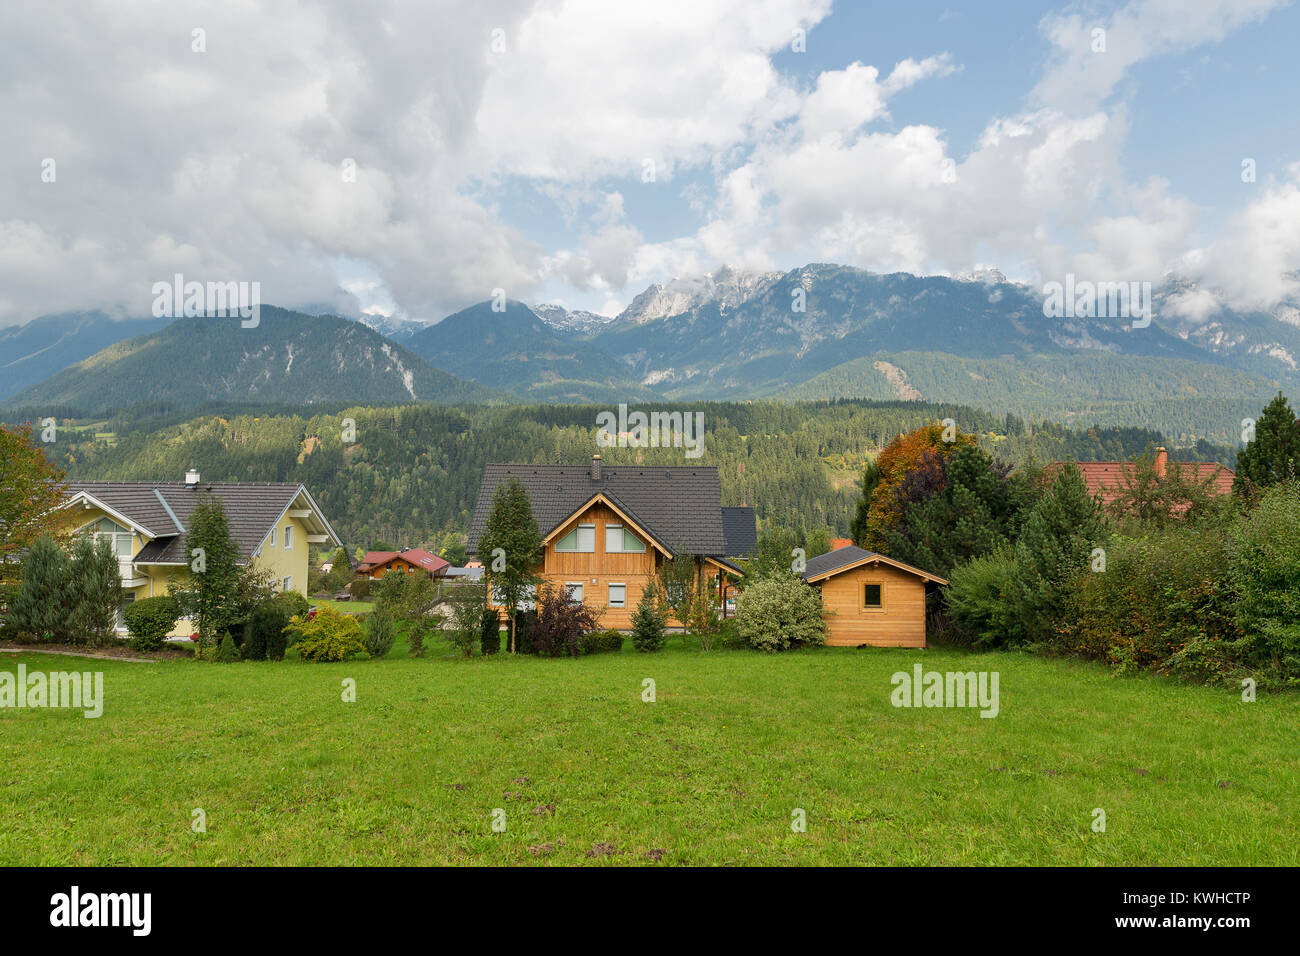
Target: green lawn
<point>287,773</point>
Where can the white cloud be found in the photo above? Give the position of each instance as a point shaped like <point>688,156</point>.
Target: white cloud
<point>1082,73</point>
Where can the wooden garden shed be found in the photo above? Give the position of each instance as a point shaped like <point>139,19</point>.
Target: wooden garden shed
<point>870,599</point>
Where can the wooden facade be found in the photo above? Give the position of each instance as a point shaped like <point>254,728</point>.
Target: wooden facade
<point>603,575</point>
<point>875,601</point>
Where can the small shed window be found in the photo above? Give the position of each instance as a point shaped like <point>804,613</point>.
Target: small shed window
<point>618,595</point>
<point>872,596</point>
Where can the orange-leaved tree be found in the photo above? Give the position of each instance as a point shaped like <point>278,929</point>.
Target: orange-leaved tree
<point>31,488</point>
<point>923,449</point>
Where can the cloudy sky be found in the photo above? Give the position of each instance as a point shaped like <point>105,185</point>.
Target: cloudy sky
<point>413,157</point>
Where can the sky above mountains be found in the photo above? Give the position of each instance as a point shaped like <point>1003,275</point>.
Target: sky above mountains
<point>413,158</point>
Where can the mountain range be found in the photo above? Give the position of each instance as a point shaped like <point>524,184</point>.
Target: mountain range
<point>822,331</point>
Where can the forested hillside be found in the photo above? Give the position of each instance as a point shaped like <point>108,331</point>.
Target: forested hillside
<point>1182,399</point>
<point>412,473</point>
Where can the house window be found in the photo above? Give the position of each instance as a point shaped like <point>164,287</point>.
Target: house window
<point>127,598</point>
<point>574,591</point>
<point>525,603</point>
<point>108,530</point>
<point>581,539</point>
<point>618,595</point>
<point>619,540</point>
<point>288,583</point>
<point>288,537</point>
<point>270,539</point>
<point>873,596</point>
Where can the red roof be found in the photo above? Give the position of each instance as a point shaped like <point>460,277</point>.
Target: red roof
<point>1106,479</point>
<point>416,557</point>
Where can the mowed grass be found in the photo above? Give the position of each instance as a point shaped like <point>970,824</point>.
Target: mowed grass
<point>710,773</point>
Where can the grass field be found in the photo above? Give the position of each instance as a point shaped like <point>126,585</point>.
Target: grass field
<point>585,771</point>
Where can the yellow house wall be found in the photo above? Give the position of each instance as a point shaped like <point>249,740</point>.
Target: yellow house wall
<point>159,579</point>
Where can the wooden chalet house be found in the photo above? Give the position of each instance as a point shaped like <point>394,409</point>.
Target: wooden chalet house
<point>607,531</point>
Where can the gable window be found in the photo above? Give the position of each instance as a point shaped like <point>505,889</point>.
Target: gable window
<point>620,540</point>
<point>873,597</point>
<point>105,529</point>
<point>270,539</point>
<point>618,595</point>
<point>288,537</point>
<point>574,592</point>
<point>581,539</point>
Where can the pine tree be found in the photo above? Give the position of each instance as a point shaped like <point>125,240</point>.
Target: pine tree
<point>649,619</point>
<point>1055,545</point>
<point>41,609</point>
<point>511,548</point>
<point>1273,455</point>
<point>94,590</point>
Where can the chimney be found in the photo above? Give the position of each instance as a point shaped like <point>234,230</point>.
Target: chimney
<point>1162,459</point>
<point>595,468</point>
<point>191,478</point>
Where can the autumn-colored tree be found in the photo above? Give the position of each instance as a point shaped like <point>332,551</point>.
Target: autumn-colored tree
<point>922,450</point>
<point>31,488</point>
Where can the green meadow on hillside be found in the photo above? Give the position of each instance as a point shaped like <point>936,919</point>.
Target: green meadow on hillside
<point>712,772</point>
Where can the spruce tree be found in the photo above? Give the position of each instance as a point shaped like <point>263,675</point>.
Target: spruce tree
<point>94,590</point>
<point>1054,547</point>
<point>511,548</point>
<point>41,609</point>
<point>1273,455</point>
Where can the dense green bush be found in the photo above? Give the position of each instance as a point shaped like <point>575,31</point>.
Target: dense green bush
<point>1164,603</point>
<point>779,613</point>
<point>360,588</point>
<point>524,620</point>
<point>979,605</point>
<point>227,652</point>
<point>149,621</point>
<point>381,633</point>
<point>329,636</point>
<point>601,642</point>
<point>264,635</point>
<point>1265,570</point>
<point>490,631</point>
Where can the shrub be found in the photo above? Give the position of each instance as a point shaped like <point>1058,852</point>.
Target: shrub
<point>649,619</point>
<point>381,633</point>
<point>977,601</point>
<point>465,620</point>
<point>264,635</point>
<point>1265,569</point>
<point>227,652</point>
<point>728,636</point>
<point>293,602</point>
<point>560,622</point>
<point>1164,603</point>
<point>359,589</point>
<point>490,631</point>
<point>779,613</point>
<point>149,621</point>
<point>601,642</point>
<point>524,621</point>
<point>701,617</point>
<point>329,636</point>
